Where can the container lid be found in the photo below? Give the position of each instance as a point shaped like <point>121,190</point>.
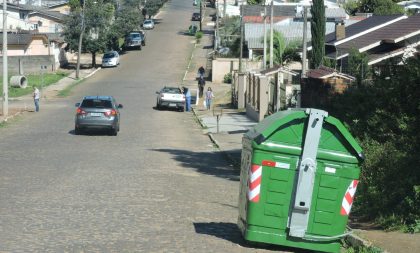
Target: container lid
<point>286,129</point>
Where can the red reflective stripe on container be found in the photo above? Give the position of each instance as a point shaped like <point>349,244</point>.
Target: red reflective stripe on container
<point>269,163</point>
<point>348,198</point>
<point>254,184</point>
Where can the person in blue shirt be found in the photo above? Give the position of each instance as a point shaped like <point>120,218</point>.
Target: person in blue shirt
<point>187,94</point>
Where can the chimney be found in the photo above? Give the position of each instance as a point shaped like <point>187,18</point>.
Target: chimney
<point>340,30</point>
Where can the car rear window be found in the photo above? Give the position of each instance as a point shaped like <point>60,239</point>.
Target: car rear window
<point>134,35</point>
<point>96,103</point>
<point>171,90</point>
<point>108,55</point>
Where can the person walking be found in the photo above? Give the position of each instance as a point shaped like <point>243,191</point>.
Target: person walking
<point>36,95</point>
<point>209,97</point>
<point>201,72</point>
<point>201,84</point>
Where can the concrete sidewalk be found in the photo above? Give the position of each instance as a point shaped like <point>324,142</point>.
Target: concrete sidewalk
<point>18,105</point>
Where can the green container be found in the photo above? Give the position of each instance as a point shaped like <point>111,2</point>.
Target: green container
<point>272,206</point>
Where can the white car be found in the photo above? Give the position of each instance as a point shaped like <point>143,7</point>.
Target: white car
<point>170,97</point>
<point>148,24</point>
<point>111,59</point>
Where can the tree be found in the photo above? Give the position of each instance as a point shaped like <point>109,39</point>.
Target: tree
<point>127,19</point>
<point>283,51</point>
<point>254,2</point>
<point>153,6</point>
<point>377,7</point>
<point>97,16</point>
<point>384,115</point>
<point>318,33</point>
<point>229,32</point>
<point>358,65</point>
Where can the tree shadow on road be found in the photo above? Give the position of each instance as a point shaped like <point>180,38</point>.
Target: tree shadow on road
<point>230,232</point>
<point>209,163</point>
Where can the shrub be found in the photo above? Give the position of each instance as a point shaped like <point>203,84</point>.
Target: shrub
<point>199,35</point>
<point>227,78</point>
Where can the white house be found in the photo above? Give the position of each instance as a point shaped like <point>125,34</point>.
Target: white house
<point>17,18</point>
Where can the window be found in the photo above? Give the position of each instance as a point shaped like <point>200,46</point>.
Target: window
<point>96,103</point>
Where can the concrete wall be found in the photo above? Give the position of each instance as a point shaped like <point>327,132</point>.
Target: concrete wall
<point>30,64</point>
<point>222,66</point>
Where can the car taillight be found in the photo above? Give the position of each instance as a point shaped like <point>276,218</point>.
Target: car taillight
<point>80,111</point>
<point>110,113</point>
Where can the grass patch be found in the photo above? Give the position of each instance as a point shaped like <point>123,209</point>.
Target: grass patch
<point>34,80</point>
<point>371,249</point>
<point>5,124</point>
<point>67,91</point>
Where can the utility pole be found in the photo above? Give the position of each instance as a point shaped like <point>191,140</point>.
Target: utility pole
<point>201,14</point>
<point>305,31</point>
<point>80,40</point>
<point>216,41</point>
<point>271,36</point>
<point>241,42</point>
<point>5,74</point>
<point>265,39</point>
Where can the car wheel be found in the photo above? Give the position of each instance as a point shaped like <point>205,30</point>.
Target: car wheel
<point>113,132</point>
<point>181,109</point>
<point>77,130</point>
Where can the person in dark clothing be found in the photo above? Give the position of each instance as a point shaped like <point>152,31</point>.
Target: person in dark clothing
<point>201,72</point>
<point>201,84</point>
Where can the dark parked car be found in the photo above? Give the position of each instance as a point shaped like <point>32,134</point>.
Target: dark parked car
<point>135,40</point>
<point>196,16</point>
<point>98,112</point>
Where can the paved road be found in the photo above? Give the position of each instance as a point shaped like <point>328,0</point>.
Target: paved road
<point>159,186</point>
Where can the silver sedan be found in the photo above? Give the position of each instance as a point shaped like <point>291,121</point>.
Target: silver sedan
<point>148,24</point>
<point>111,59</point>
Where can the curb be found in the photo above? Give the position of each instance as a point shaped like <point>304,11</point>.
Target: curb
<point>91,74</point>
<point>214,141</point>
<point>11,116</point>
<point>356,241</point>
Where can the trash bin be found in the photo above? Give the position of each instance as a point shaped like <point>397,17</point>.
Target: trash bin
<point>299,173</point>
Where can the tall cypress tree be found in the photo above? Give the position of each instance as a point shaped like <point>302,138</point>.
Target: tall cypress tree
<point>318,33</point>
